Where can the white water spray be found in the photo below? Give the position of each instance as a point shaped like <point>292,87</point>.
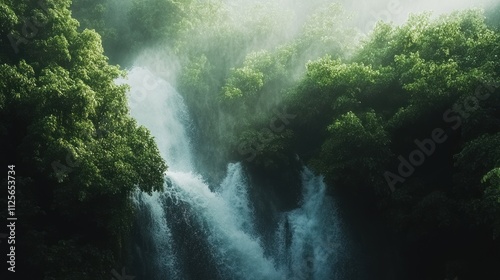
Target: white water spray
<point>221,222</point>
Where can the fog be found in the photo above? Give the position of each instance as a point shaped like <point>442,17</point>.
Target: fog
<point>397,11</point>
<point>226,32</point>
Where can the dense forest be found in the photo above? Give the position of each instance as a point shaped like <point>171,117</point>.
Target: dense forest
<point>401,120</point>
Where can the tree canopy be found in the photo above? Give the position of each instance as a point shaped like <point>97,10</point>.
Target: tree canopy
<point>79,155</point>
<point>404,124</point>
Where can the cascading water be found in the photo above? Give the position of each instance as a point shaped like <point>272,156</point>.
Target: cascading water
<point>192,232</point>
<point>317,243</point>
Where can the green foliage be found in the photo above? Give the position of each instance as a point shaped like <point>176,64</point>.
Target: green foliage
<point>128,26</point>
<point>260,72</point>
<point>433,63</point>
<point>356,145</point>
<point>265,148</point>
<point>56,95</point>
<point>479,163</point>
<point>265,54</point>
<point>336,84</point>
<point>401,84</point>
<point>357,109</point>
<point>153,20</point>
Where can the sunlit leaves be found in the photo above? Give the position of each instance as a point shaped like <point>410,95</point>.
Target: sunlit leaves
<point>395,90</point>
<point>56,47</point>
<point>260,69</point>
<point>17,82</point>
<point>88,50</point>
<point>331,74</point>
<point>54,96</point>
<point>244,81</point>
<point>356,145</point>
<point>332,87</point>
<point>417,74</point>
<point>374,50</point>
<point>438,62</point>
<point>8,18</point>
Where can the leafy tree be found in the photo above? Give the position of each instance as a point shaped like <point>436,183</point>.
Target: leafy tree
<point>402,84</point>
<point>358,110</point>
<point>128,26</point>
<point>356,145</point>
<point>79,154</point>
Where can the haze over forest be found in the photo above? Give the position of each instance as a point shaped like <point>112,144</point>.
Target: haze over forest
<point>239,139</point>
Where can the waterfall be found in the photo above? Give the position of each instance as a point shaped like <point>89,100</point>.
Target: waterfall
<point>317,242</point>
<point>192,231</point>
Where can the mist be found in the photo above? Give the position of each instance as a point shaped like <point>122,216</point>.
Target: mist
<point>239,139</point>
<point>210,41</point>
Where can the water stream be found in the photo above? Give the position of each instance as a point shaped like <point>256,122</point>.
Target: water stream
<point>196,231</point>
